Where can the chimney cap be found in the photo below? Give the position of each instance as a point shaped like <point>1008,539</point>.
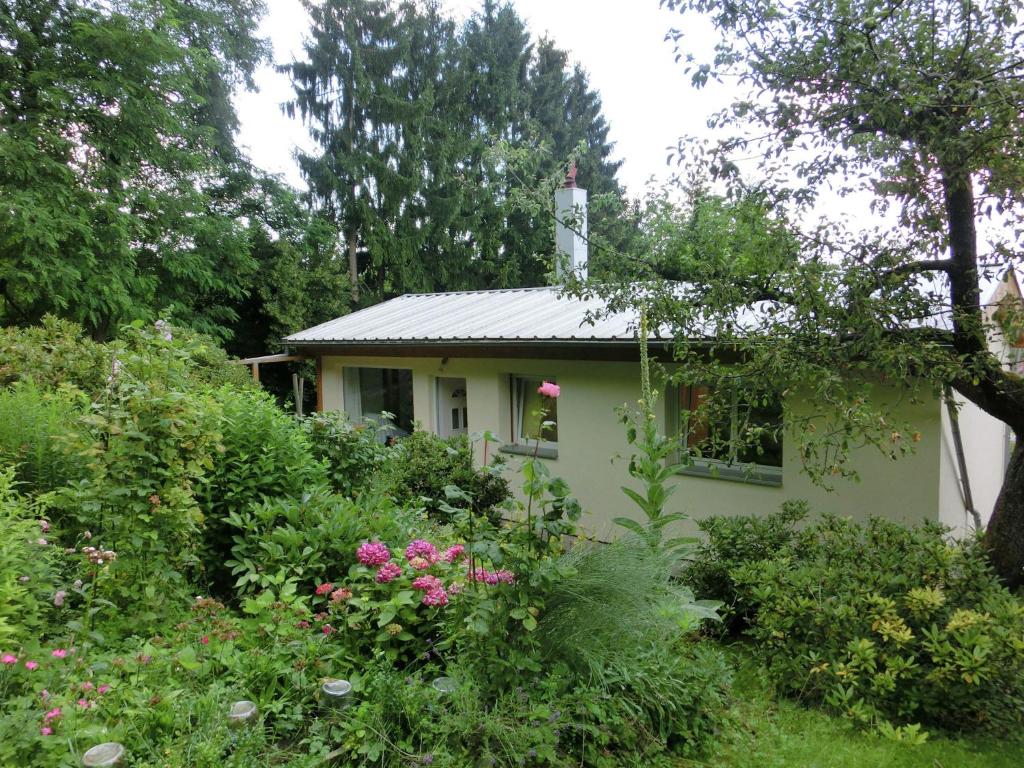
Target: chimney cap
<point>570,178</point>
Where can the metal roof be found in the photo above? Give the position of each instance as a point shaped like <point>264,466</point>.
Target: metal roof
<point>510,315</point>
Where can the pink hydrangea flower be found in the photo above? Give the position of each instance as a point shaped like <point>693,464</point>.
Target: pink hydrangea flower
<point>549,389</point>
<point>436,597</point>
<point>324,588</point>
<point>340,594</point>
<point>419,563</point>
<point>453,553</point>
<point>388,572</point>
<point>421,548</point>
<point>427,583</point>
<point>454,588</point>
<point>31,665</point>
<point>505,577</point>
<point>58,653</point>
<point>9,659</point>
<point>373,553</point>
<point>303,624</point>
<point>46,731</point>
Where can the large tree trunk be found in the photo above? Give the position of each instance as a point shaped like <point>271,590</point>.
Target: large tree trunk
<point>1005,533</point>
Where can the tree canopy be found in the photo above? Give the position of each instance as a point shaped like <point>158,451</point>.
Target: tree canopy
<point>919,104</point>
<point>405,107</point>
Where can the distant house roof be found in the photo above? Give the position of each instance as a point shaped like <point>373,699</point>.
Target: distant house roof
<point>515,315</point>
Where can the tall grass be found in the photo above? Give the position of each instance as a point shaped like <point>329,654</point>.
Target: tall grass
<point>32,423</point>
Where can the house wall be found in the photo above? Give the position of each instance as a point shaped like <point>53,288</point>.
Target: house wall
<point>593,452</point>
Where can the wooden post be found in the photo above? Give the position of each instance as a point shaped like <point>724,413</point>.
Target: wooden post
<point>256,372</point>
<point>297,391</point>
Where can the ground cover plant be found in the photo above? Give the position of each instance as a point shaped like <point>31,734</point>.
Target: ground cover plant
<point>176,543</point>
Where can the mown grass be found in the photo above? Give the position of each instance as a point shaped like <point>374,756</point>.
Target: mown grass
<point>768,733</point>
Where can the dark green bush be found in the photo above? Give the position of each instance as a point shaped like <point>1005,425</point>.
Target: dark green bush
<point>352,452</point>
<point>887,624</point>
<point>264,454</point>
<point>731,542</point>
<point>423,464</point>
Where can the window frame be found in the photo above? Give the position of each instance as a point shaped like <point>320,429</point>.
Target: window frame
<point>749,472</point>
<point>547,449</point>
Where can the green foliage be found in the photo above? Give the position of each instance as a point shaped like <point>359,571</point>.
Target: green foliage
<point>54,353</point>
<point>118,164</point>
<point>26,565</point>
<point>310,540</point>
<point>353,453</point>
<point>263,453</point>
<point>423,465</point>
<point>884,623</point>
<point>732,542</point>
<point>613,601</point>
<point>404,104</point>
<point>31,425</point>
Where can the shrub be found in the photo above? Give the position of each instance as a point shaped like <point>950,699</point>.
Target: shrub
<point>31,424</point>
<point>351,452</point>
<point>53,354</point>
<point>311,539</point>
<point>887,623</point>
<point>26,566</point>
<point>264,454</point>
<point>730,542</point>
<point>423,465</point>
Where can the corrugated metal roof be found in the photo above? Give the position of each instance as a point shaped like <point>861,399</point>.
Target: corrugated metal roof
<point>515,314</point>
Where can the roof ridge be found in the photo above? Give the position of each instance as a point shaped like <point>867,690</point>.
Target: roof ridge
<point>485,290</point>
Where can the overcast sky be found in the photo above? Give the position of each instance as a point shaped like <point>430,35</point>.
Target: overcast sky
<point>647,98</point>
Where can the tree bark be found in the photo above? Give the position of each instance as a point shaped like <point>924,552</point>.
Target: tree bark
<point>353,265</point>
<point>1004,536</point>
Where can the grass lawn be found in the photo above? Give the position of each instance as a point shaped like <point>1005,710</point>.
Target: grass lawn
<point>767,733</point>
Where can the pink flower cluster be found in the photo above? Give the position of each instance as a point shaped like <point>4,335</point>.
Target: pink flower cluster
<point>491,577</point>
<point>388,572</point>
<point>421,549</point>
<point>453,553</point>
<point>373,553</point>
<point>433,588</point>
<point>324,588</point>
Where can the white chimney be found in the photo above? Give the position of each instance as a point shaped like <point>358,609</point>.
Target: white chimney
<point>570,229</point>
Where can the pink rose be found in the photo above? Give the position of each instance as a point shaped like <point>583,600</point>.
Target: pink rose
<point>549,389</point>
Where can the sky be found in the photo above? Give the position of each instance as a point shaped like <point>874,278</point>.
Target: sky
<point>647,98</point>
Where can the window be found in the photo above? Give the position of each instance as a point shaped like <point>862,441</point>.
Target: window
<point>738,442</point>
<point>528,421</point>
<point>370,392</point>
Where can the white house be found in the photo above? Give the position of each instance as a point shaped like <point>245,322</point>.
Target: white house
<point>460,362</point>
